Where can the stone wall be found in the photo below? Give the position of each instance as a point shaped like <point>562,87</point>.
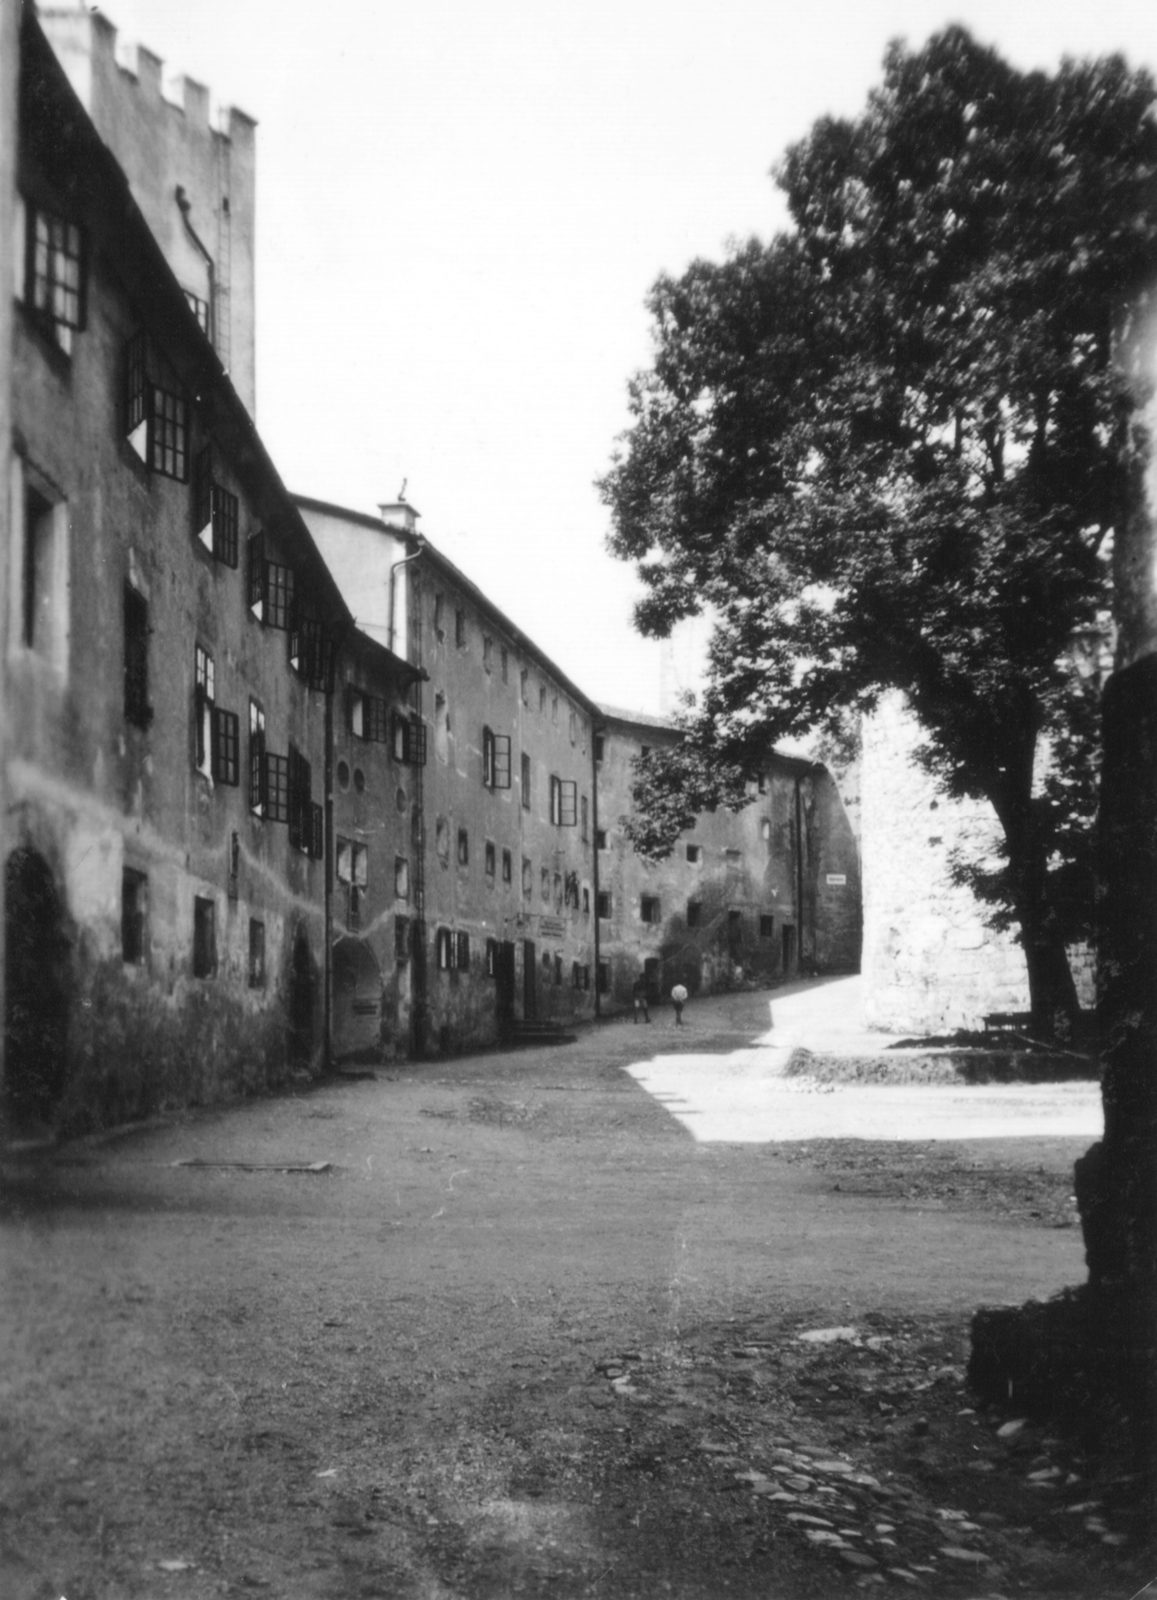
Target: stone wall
<point>930,964</point>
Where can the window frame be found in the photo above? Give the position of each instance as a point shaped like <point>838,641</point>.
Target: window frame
<point>48,310</point>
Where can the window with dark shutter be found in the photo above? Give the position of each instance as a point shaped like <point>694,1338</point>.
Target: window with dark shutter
<point>137,710</point>
<point>276,787</point>
<point>495,759</point>
<point>279,585</point>
<point>168,436</point>
<point>310,652</point>
<point>226,726</point>
<point>55,273</point>
<point>563,802</point>
<point>215,511</point>
<point>256,759</point>
<point>377,720</point>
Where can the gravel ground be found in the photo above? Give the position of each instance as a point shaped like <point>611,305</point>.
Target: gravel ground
<point>503,1327</point>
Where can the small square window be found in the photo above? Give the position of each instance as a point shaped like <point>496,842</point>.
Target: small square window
<point>694,914</point>
<point>649,909</point>
<point>600,838</point>
<point>644,751</point>
<point>204,938</point>
<point>256,954</point>
<point>694,853</point>
<point>134,908</point>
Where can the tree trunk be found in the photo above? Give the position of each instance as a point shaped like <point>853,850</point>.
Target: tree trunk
<point>1052,992</point>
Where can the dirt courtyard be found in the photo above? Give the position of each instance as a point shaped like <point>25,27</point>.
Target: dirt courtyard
<point>504,1326</point>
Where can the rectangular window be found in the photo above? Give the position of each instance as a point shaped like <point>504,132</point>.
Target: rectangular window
<point>215,511</point>
<point>495,759</point>
<point>137,708</point>
<point>168,437</point>
<point>507,867</point>
<point>204,938</point>
<point>525,781</point>
<point>204,694</point>
<point>199,308</point>
<point>401,939</point>
<point>444,950</point>
<point>226,760</point>
<point>490,860</point>
<point>586,900</point>
<point>408,739</point>
<point>463,953</point>
<point>55,273</point>
<point>604,903</point>
<point>367,716</point>
<point>600,746</point>
<point>401,878</point>
<point>649,909</point>
<point>527,877</point>
<point>351,861</point>
<point>134,907</point>
<point>300,802</point>
<point>600,838</point>
<point>310,651</point>
<point>276,787</point>
<point>694,853</point>
<point>563,802</point>
<point>279,587</point>
<point>463,848</point>
<point>256,954</point>
<point>491,957</point>
<point>256,759</point>
<point>694,914</point>
<point>766,926</point>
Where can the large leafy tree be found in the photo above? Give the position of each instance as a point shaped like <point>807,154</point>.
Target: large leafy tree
<point>883,450</point>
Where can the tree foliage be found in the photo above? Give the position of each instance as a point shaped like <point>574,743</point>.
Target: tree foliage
<point>883,448</point>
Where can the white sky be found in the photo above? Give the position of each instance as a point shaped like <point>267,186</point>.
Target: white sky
<point>460,207</point>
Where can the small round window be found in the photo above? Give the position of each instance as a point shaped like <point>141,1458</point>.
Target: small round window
<point>359,780</point>
<point>343,774</point>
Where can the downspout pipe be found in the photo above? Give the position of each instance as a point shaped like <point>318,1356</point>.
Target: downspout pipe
<point>404,562</point>
<point>596,734</point>
<point>184,205</point>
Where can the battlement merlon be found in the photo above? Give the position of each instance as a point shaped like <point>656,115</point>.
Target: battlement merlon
<point>88,45</point>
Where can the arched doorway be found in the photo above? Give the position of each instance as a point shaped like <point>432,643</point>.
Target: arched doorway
<point>357,1001</point>
<point>36,991</point>
<point>302,986</point>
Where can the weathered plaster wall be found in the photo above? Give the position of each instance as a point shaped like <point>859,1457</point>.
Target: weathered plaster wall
<point>747,897</point>
<point>930,963</point>
<point>93,794</point>
<point>162,135</point>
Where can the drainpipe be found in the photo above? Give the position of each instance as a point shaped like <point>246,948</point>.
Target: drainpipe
<point>595,874</point>
<point>404,562</point>
<point>184,205</point>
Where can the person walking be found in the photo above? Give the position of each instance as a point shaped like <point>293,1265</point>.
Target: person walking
<point>639,998</point>
<point>678,1000</point>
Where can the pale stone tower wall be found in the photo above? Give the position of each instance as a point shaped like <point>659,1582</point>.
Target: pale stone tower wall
<point>930,964</point>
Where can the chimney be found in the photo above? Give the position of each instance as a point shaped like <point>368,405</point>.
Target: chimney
<point>400,517</point>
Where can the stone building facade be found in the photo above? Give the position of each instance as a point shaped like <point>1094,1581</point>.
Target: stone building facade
<point>165,680</point>
<point>191,168</point>
<point>748,897</point>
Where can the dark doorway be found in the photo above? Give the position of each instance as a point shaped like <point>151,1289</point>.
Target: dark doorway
<point>504,985</point>
<point>787,934</point>
<point>529,996</point>
<point>301,987</point>
<point>653,974</point>
<point>35,1022</point>
<point>357,1002</point>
